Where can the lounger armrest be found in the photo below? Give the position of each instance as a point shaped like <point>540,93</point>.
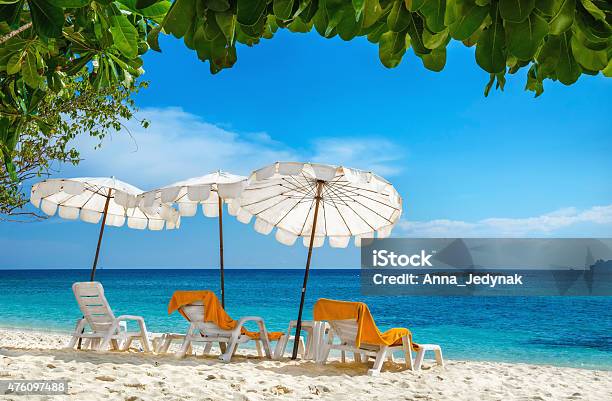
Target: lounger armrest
<point>245,319</point>
<point>263,332</point>
<point>130,317</point>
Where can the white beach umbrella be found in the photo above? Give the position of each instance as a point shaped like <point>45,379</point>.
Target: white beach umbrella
<point>318,201</point>
<point>210,191</point>
<point>93,199</point>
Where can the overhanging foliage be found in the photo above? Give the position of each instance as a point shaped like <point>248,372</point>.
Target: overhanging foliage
<point>553,39</point>
<point>46,44</point>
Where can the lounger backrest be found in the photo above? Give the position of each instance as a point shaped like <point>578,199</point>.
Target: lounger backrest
<point>195,313</point>
<point>93,304</point>
<point>346,330</point>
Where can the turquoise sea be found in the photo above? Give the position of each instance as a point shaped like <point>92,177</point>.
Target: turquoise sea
<point>564,331</point>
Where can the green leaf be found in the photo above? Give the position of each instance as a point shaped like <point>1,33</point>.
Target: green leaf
<point>282,9</point>
<point>515,10</point>
<point>157,11</point>
<point>47,18</point>
<point>179,17</point>
<point>435,60</point>
<point>415,30</point>
<point>153,38</point>
<point>377,31</point>
<point>125,35</point>
<point>592,9</point>
<point>469,21</point>
<point>298,25</point>
<point>218,5</point>
<point>589,40</point>
<point>227,24</point>
<point>490,54</point>
<point>358,6</point>
<point>30,71</point>
<point>399,17</point>
<point>534,82</point>
<point>335,10</point>
<point>10,12</point>
<point>372,11</point>
<point>433,11</point>
<point>562,16</point>
<point>14,64</point>
<point>595,32</point>
<point>145,3</point>
<point>435,40</point>
<point>608,70</point>
<point>71,3</point>
<point>307,10</point>
<point>349,26</point>
<point>594,60</point>
<point>79,63</point>
<point>414,5</point>
<point>524,38</point>
<point>546,7</point>
<point>549,55</point>
<point>248,12</point>
<point>391,49</point>
<point>568,70</point>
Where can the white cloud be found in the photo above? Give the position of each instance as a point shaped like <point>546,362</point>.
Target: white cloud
<point>568,220</point>
<point>380,155</point>
<point>178,145</point>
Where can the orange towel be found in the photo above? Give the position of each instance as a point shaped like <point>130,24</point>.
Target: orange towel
<point>367,332</point>
<point>213,311</point>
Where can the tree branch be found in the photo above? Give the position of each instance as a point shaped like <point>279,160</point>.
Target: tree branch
<point>15,32</point>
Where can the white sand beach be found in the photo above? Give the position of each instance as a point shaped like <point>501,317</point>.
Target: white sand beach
<point>136,376</point>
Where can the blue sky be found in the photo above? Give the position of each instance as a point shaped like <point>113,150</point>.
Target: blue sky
<point>466,165</point>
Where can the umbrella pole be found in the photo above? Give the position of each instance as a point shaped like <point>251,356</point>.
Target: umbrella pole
<point>298,327</point>
<point>221,251</point>
<point>95,263</point>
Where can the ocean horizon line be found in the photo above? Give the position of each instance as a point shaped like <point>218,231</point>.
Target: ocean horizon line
<point>175,268</point>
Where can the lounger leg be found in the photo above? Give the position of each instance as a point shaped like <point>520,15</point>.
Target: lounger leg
<point>302,348</point>
<point>326,347</point>
<point>380,359</point>
<point>281,346</point>
<point>126,344</point>
<point>80,326</point>
<point>184,347</point>
<point>439,358</point>
<point>342,356</point>
<point>231,348</point>
<point>77,333</point>
<point>144,336</point>
<point>407,347</point>
<point>263,336</point>
<point>103,345</point>
<point>207,348</point>
<point>324,354</point>
<point>258,347</point>
<point>357,356</point>
<point>419,359</point>
<point>166,345</point>
<point>114,345</point>
<point>390,356</point>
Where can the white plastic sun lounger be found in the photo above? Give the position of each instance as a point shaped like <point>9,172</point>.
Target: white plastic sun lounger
<point>346,332</point>
<point>229,340</point>
<point>105,329</point>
